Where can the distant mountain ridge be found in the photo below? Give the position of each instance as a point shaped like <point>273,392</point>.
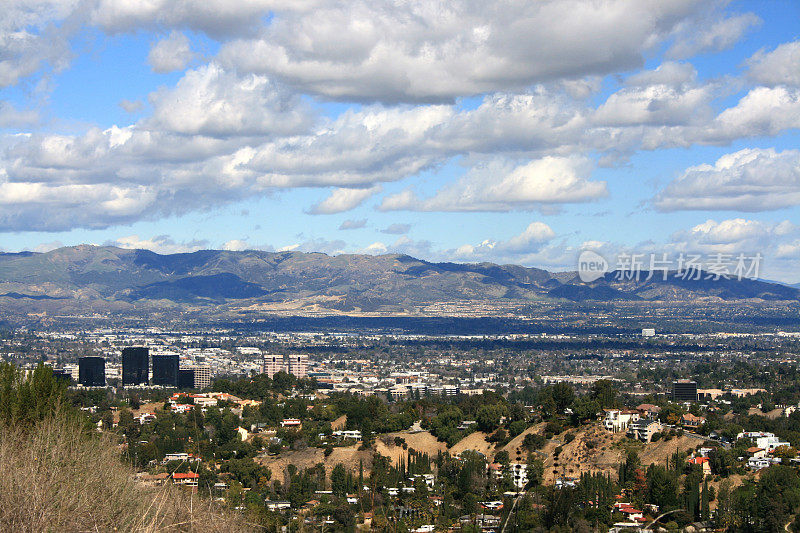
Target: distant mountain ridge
<point>106,278</point>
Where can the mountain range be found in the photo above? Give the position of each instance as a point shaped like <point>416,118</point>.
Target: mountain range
<point>103,279</point>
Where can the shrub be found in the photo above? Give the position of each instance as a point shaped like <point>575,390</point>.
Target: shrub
<point>57,476</point>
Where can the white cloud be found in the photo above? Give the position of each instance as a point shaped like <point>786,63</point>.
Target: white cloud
<point>762,111</point>
<point>396,229</point>
<point>655,105</point>
<point>211,101</point>
<point>217,18</point>
<point>499,185</point>
<point>34,33</point>
<point>422,51</point>
<point>671,73</point>
<point>11,117</point>
<point>131,106</point>
<point>353,224</point>
<point>170,54</point>
<point>712,33</point>
<point>534,234</point>
<point>236,245</point>
<point>747,180</point>
<point>780,66</point>
<point>341,200</point>
<point>161,244</point>
<point>48,246</point>
<point>376,248</point>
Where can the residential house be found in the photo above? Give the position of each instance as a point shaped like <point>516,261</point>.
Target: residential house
<point>278,505</point>
<point>617,420</point>
<point>644,429</point>
<point>291,423</point>
<point>691,421</point>
<point>704,462</point>
<point>647,410</point>
<point>188,479</point>
<point>519,475</point>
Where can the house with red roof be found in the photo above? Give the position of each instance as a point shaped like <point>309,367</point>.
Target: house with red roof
<point>189,479</point>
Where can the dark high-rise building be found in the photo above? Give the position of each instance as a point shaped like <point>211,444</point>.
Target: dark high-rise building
<point>92,371</point>
<point>684,391</point>
<point>135,366</point>
<point>165,370</point>
<point>186,378</point>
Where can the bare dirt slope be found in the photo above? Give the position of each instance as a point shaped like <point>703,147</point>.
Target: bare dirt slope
<point>350,456</point>
<point>421,441</point>
<point>595,450</point>
<point>339,423</point>
<point>514,447</point>
<point>474,441</point>
<point>660,452</point>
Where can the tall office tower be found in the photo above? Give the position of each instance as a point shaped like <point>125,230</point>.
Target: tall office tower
<point>135,366</point>
<point>272,364</point>
<point>684,391</point>
<point>297,365</point>
<point>92,371</point>
<point>186,378</point>
<point>202,376</point>
<point>165,370</point>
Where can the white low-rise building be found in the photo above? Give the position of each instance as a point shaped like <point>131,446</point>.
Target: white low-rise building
<point>617,420</point>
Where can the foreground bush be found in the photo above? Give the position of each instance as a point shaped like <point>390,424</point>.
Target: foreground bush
<point>57,476</point>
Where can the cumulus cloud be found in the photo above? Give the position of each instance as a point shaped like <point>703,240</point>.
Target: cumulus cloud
<point>341,200</point>
<point>12,117</point>
<point>48,246</point>
<point>353,224</point>
<point>33,34</point>
<point>170,54</point>
<point>211,101</point>
<point>131,106</point>
<point>238,128</point>
<point>780,66</point>
<point>396,229</point>
<point>235,245</point>
<point>711,33</point>
<point>500,185</point>
<point>655,105</point>
<point>160,244</point>
<point>747,180</point>
<point>422,51</point>
<point>217,18</point>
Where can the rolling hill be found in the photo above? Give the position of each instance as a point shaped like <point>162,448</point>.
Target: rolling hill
<point>109,279</point>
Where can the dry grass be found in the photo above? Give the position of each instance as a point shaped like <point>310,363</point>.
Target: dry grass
<point>57,477</point>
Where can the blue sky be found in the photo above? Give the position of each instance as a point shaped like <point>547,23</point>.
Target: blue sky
<point>449,131</point>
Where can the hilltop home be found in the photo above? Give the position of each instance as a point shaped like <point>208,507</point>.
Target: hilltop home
<point>617,420</point>
<point>644,429</point>
<point>690,421</point>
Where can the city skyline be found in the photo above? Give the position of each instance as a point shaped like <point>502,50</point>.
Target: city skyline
<point>509,133</point>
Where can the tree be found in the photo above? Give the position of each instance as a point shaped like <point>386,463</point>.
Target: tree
<point>339,480</point>
<point>662,487</point>
<point>604,392</point>
<point>488,417</point>
<point>535,470</point>
<point>627,470</point>
<point>127,423</point>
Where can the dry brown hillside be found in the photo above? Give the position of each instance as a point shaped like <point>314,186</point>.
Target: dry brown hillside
<point>349,456</point>
<point>57,477</point>
<point>596,450</point>
<point>474,441</point>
